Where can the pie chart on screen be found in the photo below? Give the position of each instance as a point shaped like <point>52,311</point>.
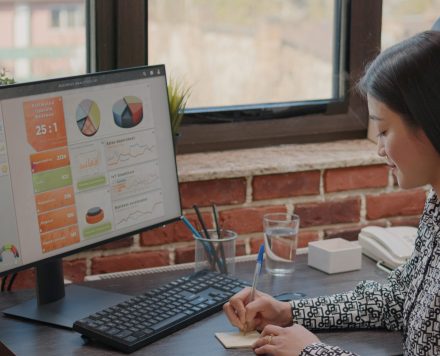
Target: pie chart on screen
<point>88,117</point>
<point>128,112</point>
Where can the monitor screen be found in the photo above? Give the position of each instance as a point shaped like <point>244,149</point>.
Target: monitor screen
<point>83,160</point>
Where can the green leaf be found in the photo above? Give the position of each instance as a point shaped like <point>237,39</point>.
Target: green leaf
<point>178,95</point>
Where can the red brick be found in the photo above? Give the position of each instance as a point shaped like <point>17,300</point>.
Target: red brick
<point>75,270</point>
<point>247,220</point>
<point>404,203</point>
<point>285,185</point>
<point>329,212</point>
<point>174,232</point>
<point>24,280</point>
<point>129,261</point>
<point>184,254</point>
<point>220,191</point>
<point>124,242</point>
<point>347,233</point>
<point>159,235</point>
<point>340,179</point>
<point>255,244</point>
<point>305,237</point>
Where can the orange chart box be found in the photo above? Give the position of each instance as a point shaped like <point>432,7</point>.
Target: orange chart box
<point>59,238</point>
<point>54,199</point>
<point>45,127</point>
<point>47,160</point>
<point>56,219</point>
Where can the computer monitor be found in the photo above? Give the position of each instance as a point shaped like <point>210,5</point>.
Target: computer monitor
<point>83,160</point>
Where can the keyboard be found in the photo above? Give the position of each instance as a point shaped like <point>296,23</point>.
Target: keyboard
<point>146,318</point>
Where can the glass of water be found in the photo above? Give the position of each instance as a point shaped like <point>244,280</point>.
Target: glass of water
<point>280,239</point>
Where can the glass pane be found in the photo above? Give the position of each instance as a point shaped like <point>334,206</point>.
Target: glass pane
<point>403,18</point>
<point>235,52</point>
<point>42,39</point>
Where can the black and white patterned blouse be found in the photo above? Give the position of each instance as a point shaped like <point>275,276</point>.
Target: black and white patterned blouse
<point>409,301</point>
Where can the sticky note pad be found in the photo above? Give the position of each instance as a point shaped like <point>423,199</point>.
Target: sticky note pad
<point>235,340</point>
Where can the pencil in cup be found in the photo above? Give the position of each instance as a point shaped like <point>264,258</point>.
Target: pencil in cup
<point>211,253</point>
<point>222,251</point>
<point>219,235</point>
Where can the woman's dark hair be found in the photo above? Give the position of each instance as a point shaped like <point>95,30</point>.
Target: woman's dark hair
<point>406,78</point>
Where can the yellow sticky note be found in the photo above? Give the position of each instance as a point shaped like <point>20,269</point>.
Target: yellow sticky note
<point>235,340</point>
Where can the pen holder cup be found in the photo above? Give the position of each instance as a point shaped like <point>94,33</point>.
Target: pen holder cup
<point>216,254</point>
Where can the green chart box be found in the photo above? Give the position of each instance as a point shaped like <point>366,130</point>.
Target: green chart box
<point>92,231</point>
<point>53,179</point>
<point>91,183</point>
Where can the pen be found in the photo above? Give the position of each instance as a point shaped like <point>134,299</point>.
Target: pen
<point>255,281</point>
<point>189,226</point>
<point>199,216</point>
<point>257,271</point>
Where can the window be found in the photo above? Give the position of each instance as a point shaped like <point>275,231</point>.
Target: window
<point>32,45</point>
<point>68,16</point>
<point>128,33</point>
<point>404,18</point>
<point>246,52</point>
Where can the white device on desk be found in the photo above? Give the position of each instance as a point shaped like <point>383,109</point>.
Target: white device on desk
<point>391,246</point>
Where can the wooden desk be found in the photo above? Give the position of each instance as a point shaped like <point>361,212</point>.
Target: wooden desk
<point>26,338</point>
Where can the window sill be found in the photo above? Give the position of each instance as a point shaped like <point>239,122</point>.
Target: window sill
<point>276,159</point>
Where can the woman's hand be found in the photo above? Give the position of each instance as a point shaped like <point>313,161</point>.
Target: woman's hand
<point>280,341</point>
<point>263,310</point>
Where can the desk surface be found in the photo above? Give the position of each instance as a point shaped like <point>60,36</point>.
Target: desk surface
<point>27,338</point>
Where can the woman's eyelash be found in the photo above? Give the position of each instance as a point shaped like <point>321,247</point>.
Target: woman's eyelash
<point>381,133</point>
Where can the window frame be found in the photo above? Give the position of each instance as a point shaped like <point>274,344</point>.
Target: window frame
<point>113,21</point>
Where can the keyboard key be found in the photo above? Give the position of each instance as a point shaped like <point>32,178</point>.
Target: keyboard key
<point>168,321</point>
<point>124,334</point>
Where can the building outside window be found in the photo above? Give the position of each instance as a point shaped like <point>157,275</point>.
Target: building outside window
<point>42,39</point>
<point>68,16</point>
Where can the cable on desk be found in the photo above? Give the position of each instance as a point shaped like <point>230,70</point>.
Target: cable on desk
<point>11,281</point>
<point>4,278</point>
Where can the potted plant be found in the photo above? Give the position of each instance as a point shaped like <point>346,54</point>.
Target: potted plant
<point>178,95</point>
<point>4,79</point>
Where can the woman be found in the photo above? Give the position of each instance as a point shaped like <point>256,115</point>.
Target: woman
<point>402,87</point>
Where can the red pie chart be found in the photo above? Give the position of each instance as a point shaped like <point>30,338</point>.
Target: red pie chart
<point>128,112</point>
<point>88,117</point>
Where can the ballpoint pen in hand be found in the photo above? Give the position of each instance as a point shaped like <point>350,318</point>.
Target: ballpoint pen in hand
<point>257,272</point>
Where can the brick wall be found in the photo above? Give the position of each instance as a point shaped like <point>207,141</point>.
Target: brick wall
<point>335,202</point>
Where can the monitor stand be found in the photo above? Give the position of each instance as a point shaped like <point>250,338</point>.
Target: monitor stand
<point>59,306</point>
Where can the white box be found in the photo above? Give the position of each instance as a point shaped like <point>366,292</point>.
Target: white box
<point>335,255</point>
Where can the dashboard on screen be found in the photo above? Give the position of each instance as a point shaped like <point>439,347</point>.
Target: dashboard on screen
<point>83,160</point>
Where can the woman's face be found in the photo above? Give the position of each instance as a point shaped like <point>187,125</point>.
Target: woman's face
<point>408,151</point>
